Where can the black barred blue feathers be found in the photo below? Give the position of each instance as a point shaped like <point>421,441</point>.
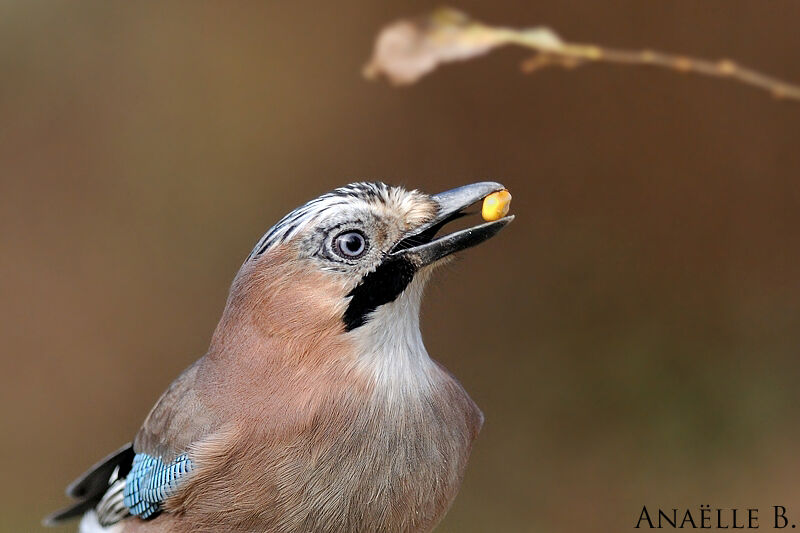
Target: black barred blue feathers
<point>151,481</point>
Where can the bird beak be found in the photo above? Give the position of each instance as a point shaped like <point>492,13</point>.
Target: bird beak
<point>420,248</point>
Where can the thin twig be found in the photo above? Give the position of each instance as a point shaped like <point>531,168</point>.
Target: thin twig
<point>574,55</point>
<point>409,49</point>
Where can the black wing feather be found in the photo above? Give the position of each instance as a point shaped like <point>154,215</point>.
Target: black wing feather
<point>90,487</point>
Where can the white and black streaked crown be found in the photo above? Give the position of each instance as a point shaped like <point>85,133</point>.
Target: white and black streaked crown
<point>316,209</point>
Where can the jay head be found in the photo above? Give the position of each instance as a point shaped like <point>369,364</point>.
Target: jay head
<point>317,407</point>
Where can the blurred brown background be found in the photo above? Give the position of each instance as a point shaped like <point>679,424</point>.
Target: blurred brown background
<point>645,349</point>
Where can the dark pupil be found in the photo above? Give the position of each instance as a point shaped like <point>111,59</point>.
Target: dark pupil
<point>352,243</point>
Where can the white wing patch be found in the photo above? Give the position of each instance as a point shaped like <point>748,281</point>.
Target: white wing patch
<point>111,508</point>
<point>90,524</point>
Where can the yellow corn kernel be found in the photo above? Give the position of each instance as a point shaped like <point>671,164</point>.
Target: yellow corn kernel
<point>495,206</point>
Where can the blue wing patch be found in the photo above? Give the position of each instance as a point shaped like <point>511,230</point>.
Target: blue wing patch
<point>151,481</point>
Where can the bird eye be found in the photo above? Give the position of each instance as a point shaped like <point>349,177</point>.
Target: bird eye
<point>350,245</point>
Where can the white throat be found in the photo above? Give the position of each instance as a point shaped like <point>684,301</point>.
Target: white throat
<point>390,346</point>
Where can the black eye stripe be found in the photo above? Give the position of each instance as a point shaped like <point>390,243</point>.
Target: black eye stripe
<point>380,287</point>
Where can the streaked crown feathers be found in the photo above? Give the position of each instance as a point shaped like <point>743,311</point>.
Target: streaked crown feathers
<point>415,206</point>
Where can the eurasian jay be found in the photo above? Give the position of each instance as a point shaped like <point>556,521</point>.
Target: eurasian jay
<point>317,407</point>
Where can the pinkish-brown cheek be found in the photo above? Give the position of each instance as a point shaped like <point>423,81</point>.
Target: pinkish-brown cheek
<point>281,294</point>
